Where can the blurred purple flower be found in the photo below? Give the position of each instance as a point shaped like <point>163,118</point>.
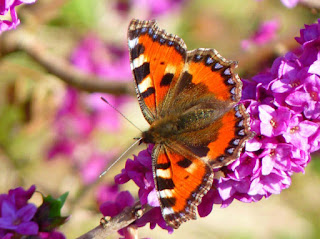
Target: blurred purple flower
<point>51,235</point>
<point>152,8</point>
<point>9,5</point>
<point>92,55</point>
<point>265,33</point>
<point>106,192</point>
<point>290,3</point>
<point>82,115</point>
<point>92,167</point>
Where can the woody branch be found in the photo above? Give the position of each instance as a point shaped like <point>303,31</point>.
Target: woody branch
<point>23,40</point>
<point>111,225</point>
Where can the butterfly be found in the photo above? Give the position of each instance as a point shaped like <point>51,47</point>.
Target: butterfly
<point>191,101</point>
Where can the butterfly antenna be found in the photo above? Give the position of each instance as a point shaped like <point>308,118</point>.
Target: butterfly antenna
<point>105,171</point>
<point>120,113</point>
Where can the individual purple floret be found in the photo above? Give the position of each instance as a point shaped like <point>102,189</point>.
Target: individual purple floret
<point>16,213</point>
<point>19,219</point>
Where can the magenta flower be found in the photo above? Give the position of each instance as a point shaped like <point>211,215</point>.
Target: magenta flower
<point>18,219</point>
<point>92,167</point>
<point>286,123</point>
<point>112,208</point>
<point>273,121</point>
<point>9,5</point>
<point>106,192</point>
<point>265,33</point>
<point>140,171</point>
<point>51,235</point>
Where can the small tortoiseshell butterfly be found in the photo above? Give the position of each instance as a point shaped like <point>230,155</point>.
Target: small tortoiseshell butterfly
<point>190,99</point>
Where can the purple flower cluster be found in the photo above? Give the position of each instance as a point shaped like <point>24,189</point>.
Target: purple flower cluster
<point>18,217</point>
<point>151,8</point>
<point>284,106</point>
<point>82,115</point>
<point>285,115</point>
<point>9,6</point>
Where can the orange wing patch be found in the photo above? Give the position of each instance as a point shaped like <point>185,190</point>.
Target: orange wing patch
<point>207,67</point>
<point>212,79</point>
<point>231,136</point>
<point>166,64</point>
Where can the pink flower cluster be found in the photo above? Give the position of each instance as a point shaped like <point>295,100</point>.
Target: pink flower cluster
<point>285,115</point>
<point>82,115</point>
<point>9,6</point>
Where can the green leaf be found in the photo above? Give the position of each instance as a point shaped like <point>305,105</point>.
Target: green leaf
<point>55,204</point>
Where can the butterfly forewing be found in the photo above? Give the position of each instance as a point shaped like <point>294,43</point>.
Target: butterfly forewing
<point>157,60</point>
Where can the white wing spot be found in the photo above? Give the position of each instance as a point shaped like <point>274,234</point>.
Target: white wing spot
<point>170,69</point>
<point>139,61</point>
<point>167,211</point>
<point>163,173</point>
<point>145,84</point>
<point>132,43</point>
<point>166,193</point>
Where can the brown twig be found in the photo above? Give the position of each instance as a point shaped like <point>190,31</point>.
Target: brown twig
<point>23,40</point>
<point>109,226</point>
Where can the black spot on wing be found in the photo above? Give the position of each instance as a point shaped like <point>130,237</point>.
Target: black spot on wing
<point>200,151</point>
<point>163,165</point>
<point>168,202</point>
<point>185,163</point>
<point>137,51</point>
<point>148,92</point>
<point>166,79</point>
<point>141,72</point>
<point>164,183</point>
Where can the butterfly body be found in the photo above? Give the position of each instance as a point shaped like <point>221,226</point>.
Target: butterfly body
<point>177,125</point>
<point>191,101</point>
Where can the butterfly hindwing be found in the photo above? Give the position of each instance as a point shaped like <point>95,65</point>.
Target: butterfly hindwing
<point>225,139</point>
<point>180,182</point>
<point>219,126</point>
<point>157,60</point>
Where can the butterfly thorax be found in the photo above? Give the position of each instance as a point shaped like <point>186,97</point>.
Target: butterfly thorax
<point>176,126</point>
